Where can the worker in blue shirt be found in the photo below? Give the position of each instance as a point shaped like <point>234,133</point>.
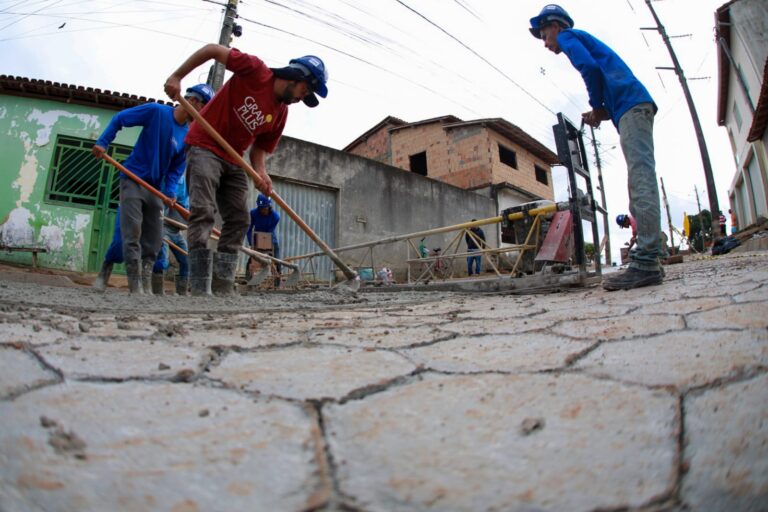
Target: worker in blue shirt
<point>615,94</point>
<point>157,158</point>
<point>264,219</point>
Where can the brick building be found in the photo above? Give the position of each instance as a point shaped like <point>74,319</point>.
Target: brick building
<point>490,156</point>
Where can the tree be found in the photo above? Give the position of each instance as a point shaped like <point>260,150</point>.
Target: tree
<point>696,237</point>
<point>589,250</point>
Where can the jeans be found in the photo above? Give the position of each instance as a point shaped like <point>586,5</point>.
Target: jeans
<point>636,135</point>
<point>162,262</point>
<point>474,261</point>
<point>215,183</point>
<point>140,223</point>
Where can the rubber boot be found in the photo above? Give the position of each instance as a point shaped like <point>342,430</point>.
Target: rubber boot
<point>100,284</point>
<point>133,271</point>
<point>146,276</point>
<point>182,284</point>
<point>157,283</point>
<point>224,266</point>
<point>200,272</point>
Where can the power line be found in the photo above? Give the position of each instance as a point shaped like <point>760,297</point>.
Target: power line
<point>510,79</point>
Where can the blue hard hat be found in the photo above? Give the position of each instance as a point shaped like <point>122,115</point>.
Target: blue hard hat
<point>621,219</point>
<point>550,12</point>
<point>315,74</point>
<point>202,92</point>
<point>263,201</point>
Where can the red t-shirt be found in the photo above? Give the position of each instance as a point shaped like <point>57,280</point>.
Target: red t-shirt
<point>244,111</point>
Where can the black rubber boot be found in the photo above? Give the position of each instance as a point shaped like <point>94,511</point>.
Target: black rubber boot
<point>133,271</point>
<point>100,284</point>
<point>157,283</point>
<point>633,278</point>
<point>146,276</point>
<point>182,285</point>
<point>200,272</point>
<point>224,266</point>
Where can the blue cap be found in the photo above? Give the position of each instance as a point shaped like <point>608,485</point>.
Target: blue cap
<point>550,12</point>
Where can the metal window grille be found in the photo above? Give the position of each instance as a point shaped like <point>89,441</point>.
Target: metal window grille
<point>78,179</point>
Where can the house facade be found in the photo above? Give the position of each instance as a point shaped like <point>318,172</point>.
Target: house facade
<point>742,40</point>
<point>492,157</point>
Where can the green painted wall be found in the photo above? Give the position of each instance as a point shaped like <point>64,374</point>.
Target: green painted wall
<point>28,131</point>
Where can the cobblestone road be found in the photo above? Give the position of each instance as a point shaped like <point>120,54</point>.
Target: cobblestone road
<point>651,399</point>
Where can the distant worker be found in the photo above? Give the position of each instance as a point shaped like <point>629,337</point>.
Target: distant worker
<point>176,237</point>
<point>615,94</point>
<point>157,158</point>
<point>734,222</point>
<point>721,220</point>
<point>475,239</point>
<point>250,110</point>
<point>264,219</point>
<point>627,221</point>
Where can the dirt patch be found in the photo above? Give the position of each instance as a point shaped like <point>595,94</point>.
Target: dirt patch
<point>64,442</point>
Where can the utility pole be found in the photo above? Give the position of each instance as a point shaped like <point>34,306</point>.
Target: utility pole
<point>710,180</point>
<point>669,216</point>
<point>606,223</point>
<point>216,74</point>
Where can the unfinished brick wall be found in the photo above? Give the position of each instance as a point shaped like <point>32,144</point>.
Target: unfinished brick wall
<point>525,175</point>
<point>416,139</point>
<point>376,146</point>
<point>466,157</point>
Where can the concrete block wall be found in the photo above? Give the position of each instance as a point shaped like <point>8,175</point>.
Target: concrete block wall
<point>392,201</point>
<point>417,139</point>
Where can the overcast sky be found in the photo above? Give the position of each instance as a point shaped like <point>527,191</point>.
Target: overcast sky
<point>412,59</point>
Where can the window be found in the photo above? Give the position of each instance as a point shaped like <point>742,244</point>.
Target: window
<point>541,175</point>
<point>77,178</point>
<point>419,163</point>
<point>508,156</point>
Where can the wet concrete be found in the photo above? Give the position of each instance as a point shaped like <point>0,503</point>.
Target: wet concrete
<point>651,399</point>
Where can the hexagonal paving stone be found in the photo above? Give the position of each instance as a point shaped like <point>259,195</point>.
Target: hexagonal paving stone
<point>620,327</point>
<point>121,359</point>
<point>495,442</point>
<point>310,372</point>
<point>21,371</point>
<point>727,447</point>
<point>525,352</point>
<point>571,311</point>
<point>758,294</point>
<point>684,359</point>
<point>498,326</point>
<point>684,306</point>
<point>137,446</point>
<point>750,315</point>
<point>379,337</point>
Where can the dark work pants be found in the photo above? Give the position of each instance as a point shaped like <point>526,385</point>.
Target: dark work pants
<point>215,183</point>
<point>140,222</point>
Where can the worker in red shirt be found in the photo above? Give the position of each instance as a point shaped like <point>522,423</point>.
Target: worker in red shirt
<point>627,221</point>
<point>250,110</point>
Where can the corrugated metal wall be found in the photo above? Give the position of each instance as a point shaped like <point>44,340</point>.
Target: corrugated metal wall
<point>317,207</point>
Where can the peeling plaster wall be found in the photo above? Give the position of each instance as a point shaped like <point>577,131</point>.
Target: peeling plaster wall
<point>28,130</point>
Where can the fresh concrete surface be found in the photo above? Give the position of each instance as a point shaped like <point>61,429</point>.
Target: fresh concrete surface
<point>653,399</point>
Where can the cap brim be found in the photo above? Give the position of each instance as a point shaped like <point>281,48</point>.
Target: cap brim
<point>535,32</point>
<point>311,100</point>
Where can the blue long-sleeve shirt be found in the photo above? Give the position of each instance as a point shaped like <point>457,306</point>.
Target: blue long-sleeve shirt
<point>610,83</point>
<point>263,223</point>
<point>158,156</point>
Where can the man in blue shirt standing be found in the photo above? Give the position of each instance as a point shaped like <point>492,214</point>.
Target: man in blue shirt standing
<point>157,158</point>
<point>615,94</point>
<point>264,219</point>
